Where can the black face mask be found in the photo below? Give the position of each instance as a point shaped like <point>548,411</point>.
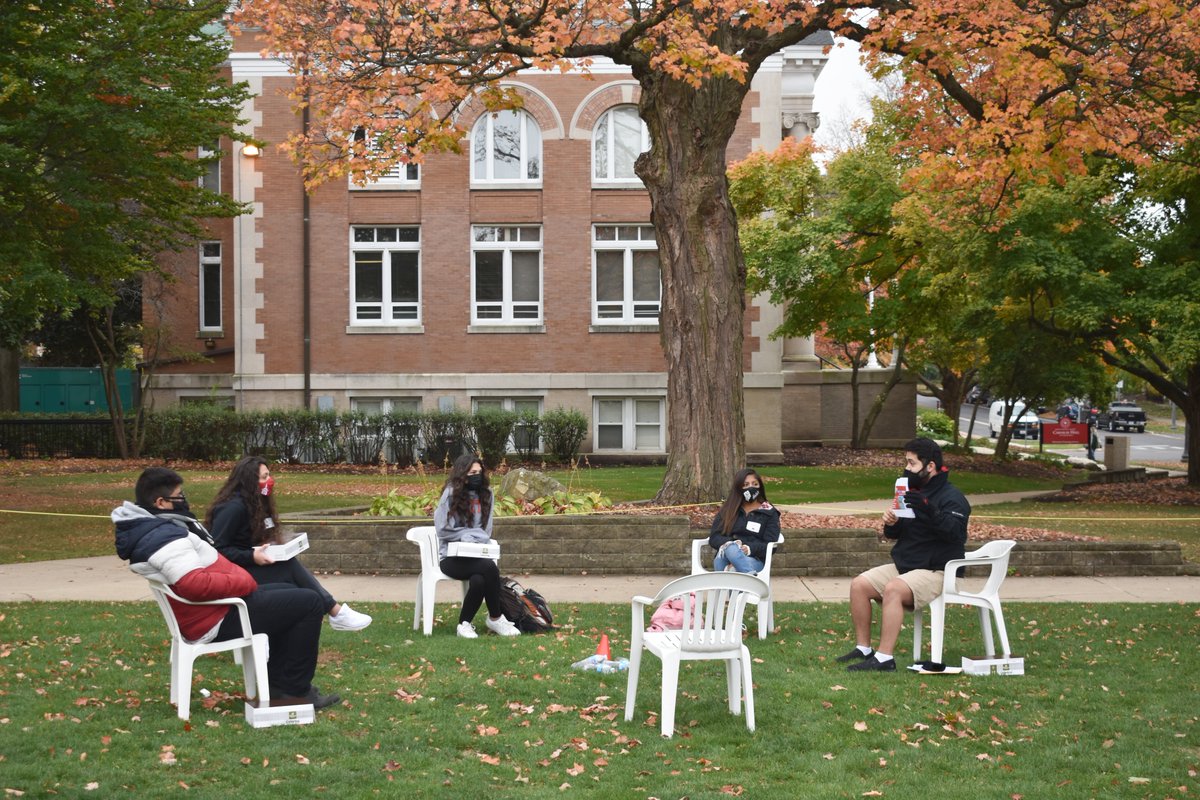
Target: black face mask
<point>916,479</point>
<point>474,482</point>
<point>751,493</point>
<point>181,507</point>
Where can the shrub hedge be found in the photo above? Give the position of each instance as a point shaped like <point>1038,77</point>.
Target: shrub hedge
<point>207,432</point>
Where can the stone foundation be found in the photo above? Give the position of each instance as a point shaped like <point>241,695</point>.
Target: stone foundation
<point>626,545</point>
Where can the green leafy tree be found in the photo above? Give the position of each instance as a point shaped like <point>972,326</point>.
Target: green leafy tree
<point>103,108</point>
<point>1130,294</point>
<point>821,245</point>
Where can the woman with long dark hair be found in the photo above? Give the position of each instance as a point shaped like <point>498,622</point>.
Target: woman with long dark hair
<point>744,526</point>
<point>464,514</point>
<point>243,522</point>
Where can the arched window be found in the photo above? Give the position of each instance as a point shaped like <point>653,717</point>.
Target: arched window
<point>506,146</point>
<point>619,138</point>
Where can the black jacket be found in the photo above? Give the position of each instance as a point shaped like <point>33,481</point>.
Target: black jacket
<point>937,534</point>
<point>765,518</point>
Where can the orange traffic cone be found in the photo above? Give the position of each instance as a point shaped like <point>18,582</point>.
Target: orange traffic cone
<point>602,648</point>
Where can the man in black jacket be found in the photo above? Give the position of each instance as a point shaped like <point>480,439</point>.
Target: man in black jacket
<point>934,535</point>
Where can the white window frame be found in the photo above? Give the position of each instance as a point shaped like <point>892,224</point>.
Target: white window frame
<point>401,176</point>
<point>604,140</point>
<point>211,179</point>
<point>510,404</point>
<point>386,404</point>
<point>530,152</point>
<point>507,240</point>
<point>628,240</point>
<point>208,262</point>
<point>387,308</point>
<point>633,424</point>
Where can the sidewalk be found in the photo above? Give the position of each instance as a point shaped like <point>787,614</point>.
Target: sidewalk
<point>108,578</point>
<point>875,508</point>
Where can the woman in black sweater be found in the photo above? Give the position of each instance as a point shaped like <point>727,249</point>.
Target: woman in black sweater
<point>744,526</point>
<point>243,523</point>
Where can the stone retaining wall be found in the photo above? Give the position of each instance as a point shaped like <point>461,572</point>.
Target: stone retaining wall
<point>625,545</point>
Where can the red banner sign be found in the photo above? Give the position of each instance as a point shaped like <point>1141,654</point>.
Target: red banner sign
<point>1064,432</point>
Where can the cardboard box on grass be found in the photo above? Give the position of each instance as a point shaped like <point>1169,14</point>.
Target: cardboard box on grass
<point>1013,665</point>
<point>268,716</point>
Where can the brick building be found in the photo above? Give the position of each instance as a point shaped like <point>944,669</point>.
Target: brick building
<point>522,273</point>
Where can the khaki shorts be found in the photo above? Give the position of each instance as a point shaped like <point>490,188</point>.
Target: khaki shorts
<point>925,584</point>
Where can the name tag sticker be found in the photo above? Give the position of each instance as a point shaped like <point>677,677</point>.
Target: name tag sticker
<point>754,527</point>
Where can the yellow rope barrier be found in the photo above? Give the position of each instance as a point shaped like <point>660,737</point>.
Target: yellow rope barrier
<point>54,514</point>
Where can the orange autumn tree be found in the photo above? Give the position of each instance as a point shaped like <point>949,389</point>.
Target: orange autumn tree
<point>403,70</point>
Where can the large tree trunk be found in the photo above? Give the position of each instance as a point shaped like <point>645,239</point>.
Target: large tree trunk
<point>703,278</point>
<point>10,380</point>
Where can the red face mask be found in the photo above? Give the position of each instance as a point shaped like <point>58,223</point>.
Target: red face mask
<point>264,487</point>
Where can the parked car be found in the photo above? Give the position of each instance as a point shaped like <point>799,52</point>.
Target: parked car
<point>1023,421</point>
<point>1068,409</point>
<point>1122,415</point>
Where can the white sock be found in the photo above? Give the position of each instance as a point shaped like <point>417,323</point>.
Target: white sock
<point>882,658</point>
<point>865,649</point>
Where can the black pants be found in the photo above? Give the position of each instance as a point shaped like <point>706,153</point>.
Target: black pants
<point>483,583</point>
<point>291,619</point>
<point>293,572</point>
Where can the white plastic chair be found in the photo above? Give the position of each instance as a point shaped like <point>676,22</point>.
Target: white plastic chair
<point>426,540</point>
<point>251,650</point>
<point>766,617</point>
<point>987,599</point>
<point>712,629</point>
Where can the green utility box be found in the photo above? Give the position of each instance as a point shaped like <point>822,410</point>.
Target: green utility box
<point>70,390</point>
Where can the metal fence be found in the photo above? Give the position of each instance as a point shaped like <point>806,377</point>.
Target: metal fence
<point>57,438</point>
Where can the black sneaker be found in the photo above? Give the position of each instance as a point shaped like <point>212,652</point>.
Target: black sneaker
<point>873,664</point>
<point>854,655</point>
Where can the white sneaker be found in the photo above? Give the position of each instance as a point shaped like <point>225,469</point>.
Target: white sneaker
<point>466,630</point>
<point>349,620</point>
<point>502,627</point>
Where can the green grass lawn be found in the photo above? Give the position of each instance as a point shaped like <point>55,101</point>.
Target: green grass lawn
<point>792,484</point>
<point>1106,709</point>
<point>1118,521</point>
<point>66,516</point>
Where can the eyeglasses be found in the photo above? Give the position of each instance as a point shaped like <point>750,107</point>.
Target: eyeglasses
<point>177,498</point>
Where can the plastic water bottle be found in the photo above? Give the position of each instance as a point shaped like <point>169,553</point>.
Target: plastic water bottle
<point>589,664</point>
<point>609,667</point>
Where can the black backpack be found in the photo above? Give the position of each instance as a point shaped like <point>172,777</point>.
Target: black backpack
<point>525,608</point>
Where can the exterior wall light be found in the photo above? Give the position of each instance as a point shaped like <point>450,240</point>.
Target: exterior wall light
<point>250,150</point>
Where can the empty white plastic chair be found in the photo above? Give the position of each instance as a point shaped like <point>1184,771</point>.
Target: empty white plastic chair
<point>425,537</point>
<point>251,650</point>
<point>993,555</point>
<point>765,605</point>
<point>712,629</point>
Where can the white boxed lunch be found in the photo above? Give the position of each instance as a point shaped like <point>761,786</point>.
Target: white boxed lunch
<point>289,549</point>
<point>473,550</point>
<point>267,716</point>
<point>993,666</point>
